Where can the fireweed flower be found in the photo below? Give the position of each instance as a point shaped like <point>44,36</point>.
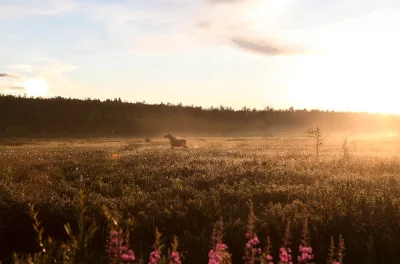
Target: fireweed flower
<point>266,257</point>
<point>252,242</point>
<point>269,259</point>
<point>175,259</point>
<point>251,250</point>
<point>115,243</point>
<point>128,255</point>
<point>214,257</point>
<point>154,257</point>
<point>217,255</point>
<point>285,256</point>
<point>306,254</point>
<point>222,247</point>
<point>118,250</point>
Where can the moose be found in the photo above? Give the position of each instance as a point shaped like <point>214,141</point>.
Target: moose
<point>176,142</point>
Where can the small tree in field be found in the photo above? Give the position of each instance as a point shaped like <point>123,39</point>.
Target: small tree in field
<point>317,135</point>
<point>345,150</point>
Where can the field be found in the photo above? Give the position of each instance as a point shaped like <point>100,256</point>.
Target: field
<point>185,192</point>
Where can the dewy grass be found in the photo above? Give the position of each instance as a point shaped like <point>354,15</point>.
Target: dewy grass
<point>184,193</point>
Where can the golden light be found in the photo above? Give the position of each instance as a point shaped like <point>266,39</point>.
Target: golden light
<point>36,87</point>
<point>356,70</point>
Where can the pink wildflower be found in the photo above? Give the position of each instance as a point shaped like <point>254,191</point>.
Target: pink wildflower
<point>252,242</point>
<point>251,250</point>
<point>175,259</point>
<point>115,242</point>
<point>306,254</point>
<point>221,246</point>
<point>128,256</point>
<point>285,256</point>
<point>214,257</point>
<point>117,250</point>
<point>154,257</point>
<point>218,255</point>
<point>269,259</point>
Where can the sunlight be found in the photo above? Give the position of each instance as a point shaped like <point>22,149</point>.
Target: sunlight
<point>36,87</point>
<point>332,82</point>
<point>355,72</point>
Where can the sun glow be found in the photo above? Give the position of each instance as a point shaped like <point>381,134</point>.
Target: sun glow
<point>36,87</point>
<point>356,70</point>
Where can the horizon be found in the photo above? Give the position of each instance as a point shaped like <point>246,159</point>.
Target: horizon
<point>337,55</point>
<point>181,104</point>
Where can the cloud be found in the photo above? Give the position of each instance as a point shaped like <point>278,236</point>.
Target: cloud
<point>263,47</point>
<point>52,65</point>
<point>21,67</point>
<point>204,24</point>
<point>36,7</point>
<point>8,75</point>
<point>12,89</point>
<point>16,88</point>
<point>226,1</point>
<point>171,43</point>
<point>255,26</point>
<point>144,26</point>
<point>136,13</point>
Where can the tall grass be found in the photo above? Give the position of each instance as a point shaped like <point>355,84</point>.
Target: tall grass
<point>184,193</point>
<point>76,248</point>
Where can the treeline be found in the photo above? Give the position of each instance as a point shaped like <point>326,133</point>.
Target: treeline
<point>66,117</point>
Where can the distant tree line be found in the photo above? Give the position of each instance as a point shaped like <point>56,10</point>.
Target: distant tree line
<point>66,117</point>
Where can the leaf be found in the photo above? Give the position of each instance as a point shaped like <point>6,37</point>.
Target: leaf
<point>67,228</point>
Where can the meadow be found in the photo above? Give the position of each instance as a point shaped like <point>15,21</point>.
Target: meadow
<point>353,193</point>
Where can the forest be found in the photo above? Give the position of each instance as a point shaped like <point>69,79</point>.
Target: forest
<point>66,117</point>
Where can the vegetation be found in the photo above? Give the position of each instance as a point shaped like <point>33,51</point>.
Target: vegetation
<point>316,134</point>
<point>345,150</point>
<point>185,193</point>
<point>63,117</point>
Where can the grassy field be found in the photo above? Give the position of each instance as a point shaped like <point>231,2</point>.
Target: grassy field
<point>184,192</point>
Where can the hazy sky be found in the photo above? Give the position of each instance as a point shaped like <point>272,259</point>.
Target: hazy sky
<point>332,54</point>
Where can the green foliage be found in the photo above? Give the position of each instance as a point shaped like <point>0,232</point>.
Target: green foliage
<point>48,251</point>
<point>77,249</point>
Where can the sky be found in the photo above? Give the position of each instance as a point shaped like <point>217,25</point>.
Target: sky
<point>327,54</point>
